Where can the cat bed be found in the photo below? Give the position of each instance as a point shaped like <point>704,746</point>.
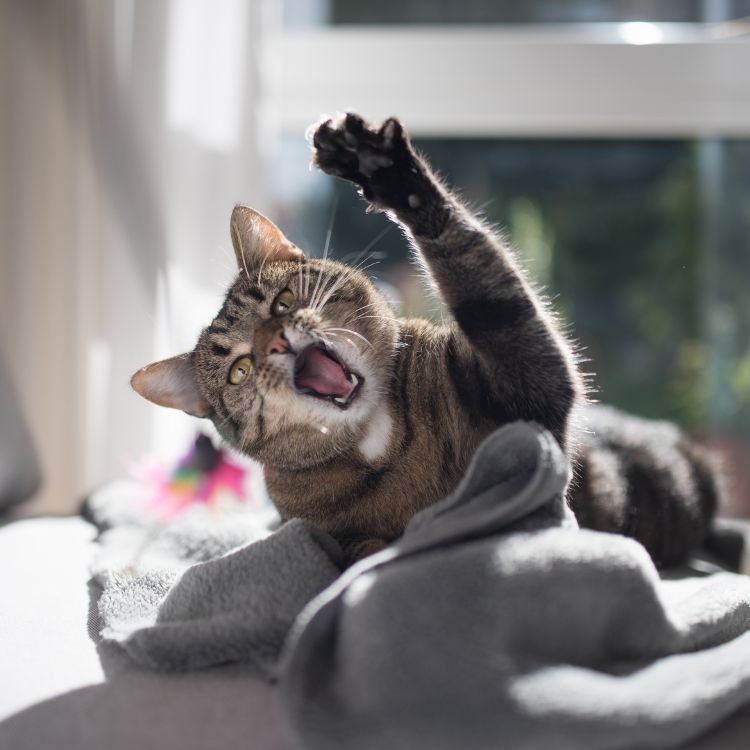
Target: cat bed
<point>492,621</point>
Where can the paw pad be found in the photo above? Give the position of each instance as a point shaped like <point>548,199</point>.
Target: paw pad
<point>352,149</point>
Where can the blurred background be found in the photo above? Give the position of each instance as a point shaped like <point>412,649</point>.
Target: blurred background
<point>611,138</point>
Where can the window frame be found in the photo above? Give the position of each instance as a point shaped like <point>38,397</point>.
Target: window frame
<point>545,80</point>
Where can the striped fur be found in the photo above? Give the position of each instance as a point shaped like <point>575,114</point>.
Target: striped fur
<point>644,479</point>
<point>430,393</point>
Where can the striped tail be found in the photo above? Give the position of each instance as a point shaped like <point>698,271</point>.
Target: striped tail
<point>647,480</point>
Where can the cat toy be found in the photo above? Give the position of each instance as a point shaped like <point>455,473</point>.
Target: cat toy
<point>205,475</point>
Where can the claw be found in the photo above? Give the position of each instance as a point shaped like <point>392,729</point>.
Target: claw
<point>322,134</point>
<point>391,130</point>
<point>312,130</point>
<point>354,123</point>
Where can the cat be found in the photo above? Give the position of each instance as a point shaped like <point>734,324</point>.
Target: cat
<point>361,419</point>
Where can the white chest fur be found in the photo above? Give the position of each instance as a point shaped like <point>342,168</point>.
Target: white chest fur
<point>377,436</point>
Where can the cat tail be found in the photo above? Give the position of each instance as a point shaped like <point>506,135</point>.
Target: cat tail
<point>647,480</point>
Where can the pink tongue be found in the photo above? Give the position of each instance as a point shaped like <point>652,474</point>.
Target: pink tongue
<point>323,375</point>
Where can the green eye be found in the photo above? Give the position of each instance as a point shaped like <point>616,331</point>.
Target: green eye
<point>240,370</point>
<point>283,302</point>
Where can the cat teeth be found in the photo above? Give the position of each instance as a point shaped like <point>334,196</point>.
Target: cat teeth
<point>354,380</point>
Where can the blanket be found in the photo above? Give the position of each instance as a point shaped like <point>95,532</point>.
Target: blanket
<point>493,621</point>
<point>205,588</point>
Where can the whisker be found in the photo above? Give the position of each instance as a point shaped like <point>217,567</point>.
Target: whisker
<point>315,303</point>
<point>324,338</point>
<point>330,227</point>
<point>314,297</point>
<point>361,266</point>
<point>369,304</point>
<point>362,269</point>
<point>339,282</point>
<point>353,333</point>
<point>329,233</point>
<point>320,299</point>
<point>307,279</point>
<point>379,236</point>
<point>376,317</point>
<point>348,340</point>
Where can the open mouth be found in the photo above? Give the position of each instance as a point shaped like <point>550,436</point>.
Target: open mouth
<point>320,373</point>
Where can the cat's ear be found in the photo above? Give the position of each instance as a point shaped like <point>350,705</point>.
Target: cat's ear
<point>172,383</point>
<point>257,239</point>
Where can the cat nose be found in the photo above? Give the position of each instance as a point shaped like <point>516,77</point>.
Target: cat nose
<point>278,344</point>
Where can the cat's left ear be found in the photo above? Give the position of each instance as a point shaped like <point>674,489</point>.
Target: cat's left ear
<point>257,239</point>
<point>172,383</point>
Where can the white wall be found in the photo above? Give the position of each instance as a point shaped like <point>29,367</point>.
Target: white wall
<point>128,132</point>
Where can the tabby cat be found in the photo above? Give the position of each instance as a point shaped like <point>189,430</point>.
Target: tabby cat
<point>361,419</point>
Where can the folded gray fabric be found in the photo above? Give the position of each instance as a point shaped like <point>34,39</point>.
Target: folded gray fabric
<point>238,607</point>
<point>204,589</point>
<point>488,627</point>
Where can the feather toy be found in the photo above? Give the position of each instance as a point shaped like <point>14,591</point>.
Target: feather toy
<point>205,475</point>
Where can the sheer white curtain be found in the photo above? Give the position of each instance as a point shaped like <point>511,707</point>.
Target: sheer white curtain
<point>129,130</point>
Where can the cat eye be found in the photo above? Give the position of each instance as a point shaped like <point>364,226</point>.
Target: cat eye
<point>240,370</point>
<point>282,304</point>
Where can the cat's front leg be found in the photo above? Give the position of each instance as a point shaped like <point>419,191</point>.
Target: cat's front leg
<point>506,356</point>
<point>389,173</point>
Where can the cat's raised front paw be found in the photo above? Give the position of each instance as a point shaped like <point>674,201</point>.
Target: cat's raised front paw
<point>379,160</point>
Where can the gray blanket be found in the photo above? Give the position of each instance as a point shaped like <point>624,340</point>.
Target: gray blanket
<point>493,622</point>
<point>204,589</point>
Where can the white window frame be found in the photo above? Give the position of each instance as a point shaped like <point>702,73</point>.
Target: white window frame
<point>577,80</point>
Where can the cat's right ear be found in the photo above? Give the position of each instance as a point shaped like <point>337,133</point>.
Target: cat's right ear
<point>257,239</point>
<point>172,383</point>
